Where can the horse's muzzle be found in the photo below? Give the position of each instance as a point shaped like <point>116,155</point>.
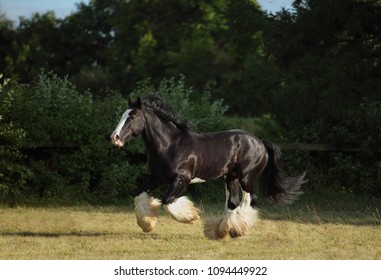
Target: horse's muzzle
<point>116,141</point>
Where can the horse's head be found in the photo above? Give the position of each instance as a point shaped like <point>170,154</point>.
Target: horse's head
<point>131,124</point>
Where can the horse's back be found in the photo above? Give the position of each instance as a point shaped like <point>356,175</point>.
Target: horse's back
<point>219,152</point>
<point>236,138</point>
<point>221,134</point>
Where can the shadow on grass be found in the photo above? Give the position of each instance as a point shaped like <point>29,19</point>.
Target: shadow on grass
<point>130,235</point>
<point>55,235</point>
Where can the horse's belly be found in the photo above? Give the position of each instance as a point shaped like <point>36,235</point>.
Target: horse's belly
<point>211,168</point>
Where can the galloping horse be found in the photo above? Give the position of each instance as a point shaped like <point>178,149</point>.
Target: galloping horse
<point>179,157</point>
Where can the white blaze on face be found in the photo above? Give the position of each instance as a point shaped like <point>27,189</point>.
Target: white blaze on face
<point>115,135</point>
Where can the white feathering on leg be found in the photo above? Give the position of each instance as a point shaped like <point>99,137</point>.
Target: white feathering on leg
<point>146,211</point>
<point>235,222</point>
<point>241,219</point>
<point>183,210</point>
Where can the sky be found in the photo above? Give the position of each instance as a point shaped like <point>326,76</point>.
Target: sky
<point>15,8</point>
<point>62,8</point>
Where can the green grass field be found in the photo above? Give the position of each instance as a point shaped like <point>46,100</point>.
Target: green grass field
<point>330,229</point>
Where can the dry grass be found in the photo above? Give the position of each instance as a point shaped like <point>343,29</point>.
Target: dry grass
<point>302,231</point>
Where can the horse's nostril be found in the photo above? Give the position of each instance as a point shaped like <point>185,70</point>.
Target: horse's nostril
<point>116,137</point>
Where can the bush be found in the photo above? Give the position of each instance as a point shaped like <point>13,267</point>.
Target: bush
<point>204,113</point>
<point>360,128</point>
<point>13,174</point>
<point>62,144</point>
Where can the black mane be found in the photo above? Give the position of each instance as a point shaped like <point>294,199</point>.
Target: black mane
<point>164,111</point>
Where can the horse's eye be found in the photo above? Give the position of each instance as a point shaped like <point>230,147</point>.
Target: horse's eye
<point>133,116</point>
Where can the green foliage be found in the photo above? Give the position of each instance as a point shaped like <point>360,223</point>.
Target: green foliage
<point>203,113</point>
<point>61,133</point>
<point>264,127</point>
<point>13,174</point>
<point>52,112</point>
<point>114,44</point>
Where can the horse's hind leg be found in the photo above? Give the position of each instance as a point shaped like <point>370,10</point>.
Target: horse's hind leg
<point>232,192</point>
<point>238,217</point>
<point>238,221</point>
<point>212,228</point>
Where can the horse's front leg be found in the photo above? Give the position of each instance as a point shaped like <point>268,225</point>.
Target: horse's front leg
<point>147,207</point>
<point>152,183</point>
<point>181,209</point>
<point>177,186</point>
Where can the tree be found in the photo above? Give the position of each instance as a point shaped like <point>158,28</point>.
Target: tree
<point>328,52</point>
<point>7,38</point>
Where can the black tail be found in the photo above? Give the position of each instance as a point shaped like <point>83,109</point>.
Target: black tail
<point>274,182</point>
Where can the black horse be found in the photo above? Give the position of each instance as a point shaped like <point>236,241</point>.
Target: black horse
<point>179,157</point>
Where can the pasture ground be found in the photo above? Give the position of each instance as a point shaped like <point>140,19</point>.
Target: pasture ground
<point>331,228</point>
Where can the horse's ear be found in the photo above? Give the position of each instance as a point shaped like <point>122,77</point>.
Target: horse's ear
<point>139,103</point>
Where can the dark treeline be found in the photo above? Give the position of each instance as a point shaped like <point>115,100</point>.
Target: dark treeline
<point>311,66</point>
<point>315,69</point>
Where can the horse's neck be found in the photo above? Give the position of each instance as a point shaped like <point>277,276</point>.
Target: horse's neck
<point>158,135</point>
